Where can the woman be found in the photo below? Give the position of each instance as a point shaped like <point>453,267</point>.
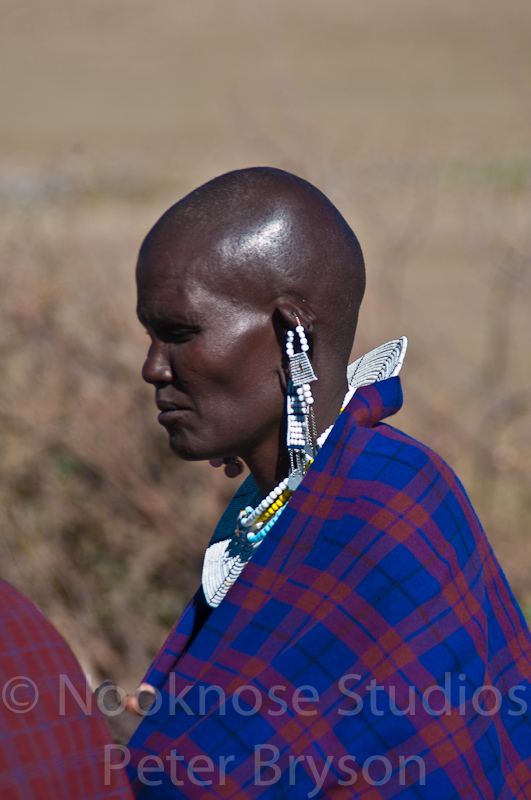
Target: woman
<point>351,613</point>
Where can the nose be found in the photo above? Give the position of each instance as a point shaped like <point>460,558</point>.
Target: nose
<point>157,368</point>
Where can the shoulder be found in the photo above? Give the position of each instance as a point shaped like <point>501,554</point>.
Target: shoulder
<point>376,483</point>
<point>376,458</point>
<point>392,458</point>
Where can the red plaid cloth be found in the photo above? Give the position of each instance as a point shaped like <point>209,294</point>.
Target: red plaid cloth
<point>52,733</point>
<point>377,597</point>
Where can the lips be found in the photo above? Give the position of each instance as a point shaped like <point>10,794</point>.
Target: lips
<point>168,418</point>
<point>163,405</point>
<point>169,412</point>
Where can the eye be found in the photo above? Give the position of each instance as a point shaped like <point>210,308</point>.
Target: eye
<point>172,334</point>
<point>180,335</point>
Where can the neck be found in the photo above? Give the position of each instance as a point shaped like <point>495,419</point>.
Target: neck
<point>327,408</point>
<point>268,467</point>
<point>270,464</point>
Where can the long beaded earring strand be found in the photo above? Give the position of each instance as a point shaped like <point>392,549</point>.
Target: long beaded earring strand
<point>300,434</point>
<point>300,440</point>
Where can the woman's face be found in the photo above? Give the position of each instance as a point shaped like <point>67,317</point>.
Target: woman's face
<point>214,359</point>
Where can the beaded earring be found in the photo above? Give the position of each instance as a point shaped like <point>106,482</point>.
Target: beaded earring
<point>300,433</point>
<point>302,444</point>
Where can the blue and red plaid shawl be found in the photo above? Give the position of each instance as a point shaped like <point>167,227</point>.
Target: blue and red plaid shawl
<point>53,736</point>
<point>372,648</point>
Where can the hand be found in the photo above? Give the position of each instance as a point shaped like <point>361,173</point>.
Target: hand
<point>124,712</point>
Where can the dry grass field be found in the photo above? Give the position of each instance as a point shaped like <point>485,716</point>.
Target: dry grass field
<point>413,116</point>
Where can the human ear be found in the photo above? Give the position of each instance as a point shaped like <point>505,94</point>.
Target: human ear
<point>291,312</point>
<point>288,314</point>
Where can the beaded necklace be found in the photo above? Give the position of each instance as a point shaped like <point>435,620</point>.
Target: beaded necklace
<point>259,521</point>
<point>225,559</point>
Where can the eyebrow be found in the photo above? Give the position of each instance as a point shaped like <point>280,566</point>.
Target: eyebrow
<point>165,319</point>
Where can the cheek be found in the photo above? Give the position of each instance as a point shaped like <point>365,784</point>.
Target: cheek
<point>256,389</point>
<point>254,357</point>
<point>234,377</point>
<point>256,393</point>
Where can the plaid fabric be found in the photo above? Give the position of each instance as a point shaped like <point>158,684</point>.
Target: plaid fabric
<point>372,648</point>
<point>51,746</point>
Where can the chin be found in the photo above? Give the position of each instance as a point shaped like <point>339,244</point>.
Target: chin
<point>187,452</point>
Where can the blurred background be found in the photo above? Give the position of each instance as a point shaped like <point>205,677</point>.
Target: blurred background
<point>413,116</point>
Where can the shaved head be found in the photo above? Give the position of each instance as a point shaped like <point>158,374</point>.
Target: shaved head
<point>222,277</point>
<point>260,234</point>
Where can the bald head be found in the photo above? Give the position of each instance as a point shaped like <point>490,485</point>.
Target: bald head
<point>261,234</point>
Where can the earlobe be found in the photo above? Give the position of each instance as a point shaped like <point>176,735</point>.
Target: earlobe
<point>292,315</point>
<point>291,312</point>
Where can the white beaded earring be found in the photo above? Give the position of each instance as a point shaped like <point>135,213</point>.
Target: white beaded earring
<point>300,433</point>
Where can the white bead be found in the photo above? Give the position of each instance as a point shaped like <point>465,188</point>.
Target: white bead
<point>299,329</point>
<point>310,401</point>
<point>305,348</point>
